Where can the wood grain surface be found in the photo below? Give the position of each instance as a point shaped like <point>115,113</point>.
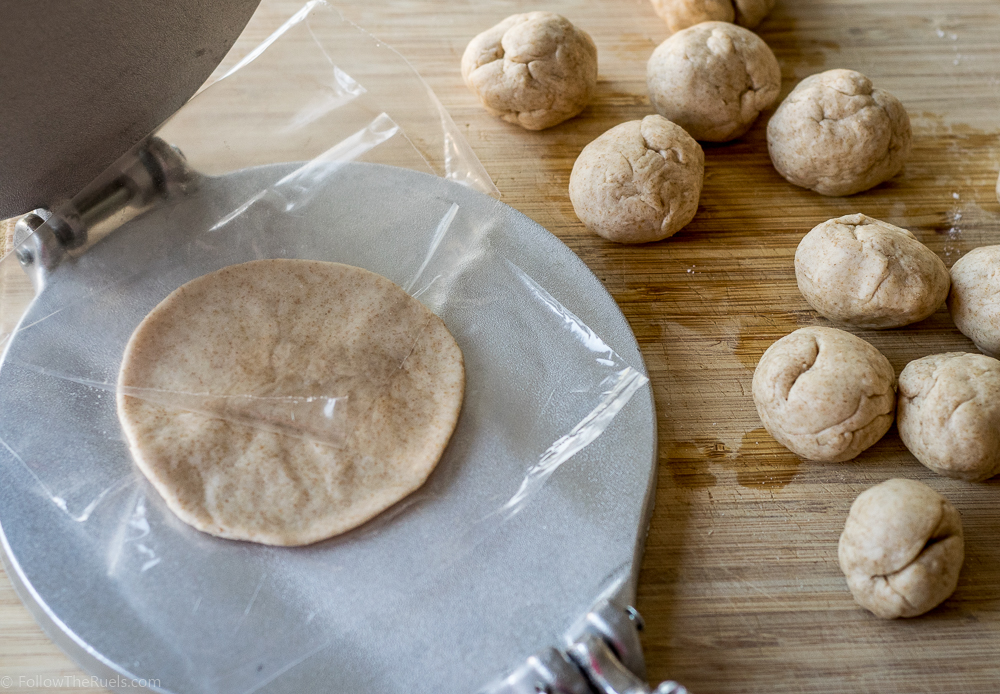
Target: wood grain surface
<point>740,587</point>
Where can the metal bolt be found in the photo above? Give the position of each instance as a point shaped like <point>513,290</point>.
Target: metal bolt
<point>25,257</point>
<point>670,687</point>
<point>24,228</point>
<point>637,620</point>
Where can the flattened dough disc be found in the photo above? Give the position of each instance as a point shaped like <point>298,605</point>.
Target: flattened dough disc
<point>286,401</point>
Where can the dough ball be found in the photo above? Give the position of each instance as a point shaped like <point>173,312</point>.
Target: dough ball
<point>949,414</point>
<point>838,135</point>
<point>639,181</point>
<point>680,14</point>
<point>974,300</point>
<point>865,272</point>
<point>534,70</point>
<point>901,549</point>
<point>713,79</point>
<point>824,394</point>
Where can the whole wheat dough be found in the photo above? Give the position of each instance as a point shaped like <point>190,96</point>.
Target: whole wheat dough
<point>868,273</point>
<point>974,300</point>
<point>680,14</point>
<point>824,394</point>
<point>949,414</point>
<point>638,182</point>
<point>839,135</point>
<point>713,79</point>
<point>534,70</point>
<point>901,549</point>
<point>225,394</point>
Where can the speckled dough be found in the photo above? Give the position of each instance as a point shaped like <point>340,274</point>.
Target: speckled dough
<point>838,135</point>
<point>902,549</point>
<point>224,395</point>
<point>974,300</point>
<point>824,394</point>
<point>870,274</point>
<point>534,70</point>
<point>639,181</point>
<point>713,79</point>
<point>680,14</point>
<point>949,414</point>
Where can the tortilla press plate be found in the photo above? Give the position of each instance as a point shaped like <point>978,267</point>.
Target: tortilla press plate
<point>442,593</point>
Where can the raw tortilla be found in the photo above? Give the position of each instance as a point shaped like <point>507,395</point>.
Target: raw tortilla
<point>288,401</point>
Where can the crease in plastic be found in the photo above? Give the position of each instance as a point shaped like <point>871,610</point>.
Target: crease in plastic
<point>619,389</point>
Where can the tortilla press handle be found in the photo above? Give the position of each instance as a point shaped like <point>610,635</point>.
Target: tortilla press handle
<point>152,170</point>
<point>604,656</point>
<point>606,673</point>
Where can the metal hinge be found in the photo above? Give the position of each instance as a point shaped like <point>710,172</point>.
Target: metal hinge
<point>153,170</point>
<point>604,656</point>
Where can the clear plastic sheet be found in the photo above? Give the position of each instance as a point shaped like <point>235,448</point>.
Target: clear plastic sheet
<point>541,385</point>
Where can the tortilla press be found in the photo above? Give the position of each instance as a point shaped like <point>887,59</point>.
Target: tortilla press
<point>539,604</point>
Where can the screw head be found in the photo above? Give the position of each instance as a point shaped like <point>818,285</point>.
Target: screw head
<point>636,618</point>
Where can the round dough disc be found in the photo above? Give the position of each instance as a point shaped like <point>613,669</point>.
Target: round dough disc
<point>288,401</point>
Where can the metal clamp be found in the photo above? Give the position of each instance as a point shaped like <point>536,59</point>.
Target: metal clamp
<point>604,656</point>
<point>154,170</point>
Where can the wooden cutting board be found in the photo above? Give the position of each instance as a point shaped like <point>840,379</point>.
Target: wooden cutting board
<point>740,587</point>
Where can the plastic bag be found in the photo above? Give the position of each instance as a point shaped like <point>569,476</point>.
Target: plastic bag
<point>345,166</point>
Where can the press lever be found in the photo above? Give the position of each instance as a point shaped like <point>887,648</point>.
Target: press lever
<point>604,656</point>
